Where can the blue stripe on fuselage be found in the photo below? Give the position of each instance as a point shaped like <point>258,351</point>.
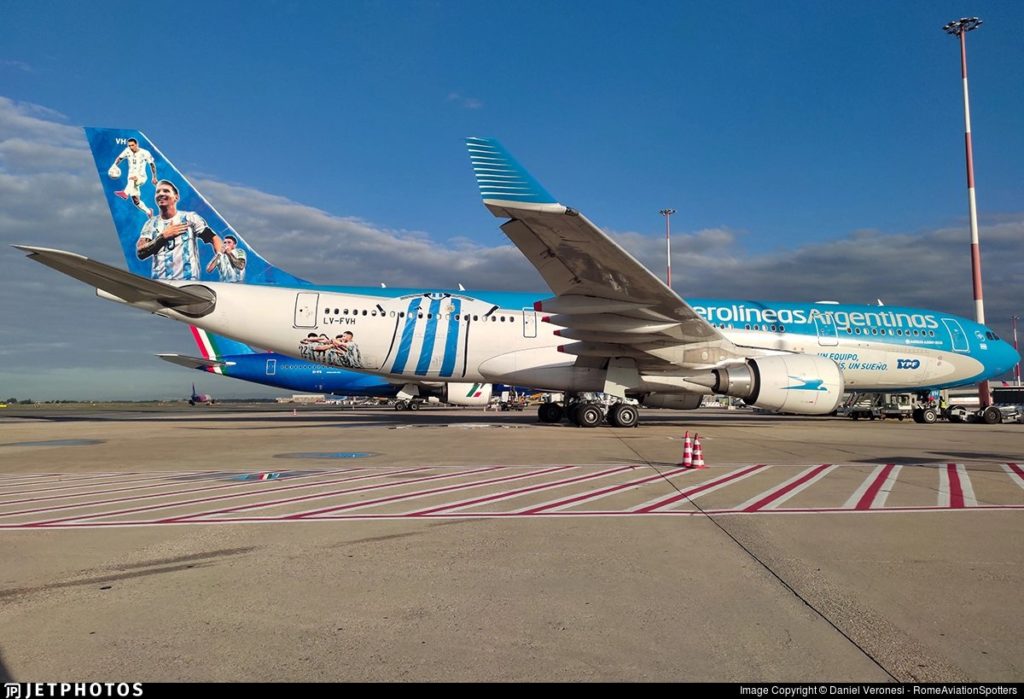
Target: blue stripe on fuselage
<point>451,345</point>
<point>428,337</point>
<point>406,345</point>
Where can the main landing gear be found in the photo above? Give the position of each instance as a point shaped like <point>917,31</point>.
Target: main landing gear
<point>590,413</point>
<point>407,404</point>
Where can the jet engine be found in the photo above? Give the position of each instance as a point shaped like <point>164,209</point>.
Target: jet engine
<point>466,393</point>
<point>805,384</point>
<point>672,401</point>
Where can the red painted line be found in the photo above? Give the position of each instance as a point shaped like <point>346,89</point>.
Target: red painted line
<point>86,482</point>
<point>956,493</point>
<point>772,497</point>
<point>1016,469</point>
<point>869,497</point>
<point>333,493</point>
<point>700,488</point>
<point>161,482</point>
<point>168,505</point>
<point>422,493</point>
<point>133,498</point>
<point>601,492</point>
<point>520,491</point>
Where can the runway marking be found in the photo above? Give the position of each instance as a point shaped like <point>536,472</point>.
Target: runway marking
<point>875,489</point>
<point>761,501</point>
<point>955,489</point>
<point>700,490</point>
<point>70,483</point>
<point>798,486</point>
<point>420,494</point>
<point>521,491</point>
<point>335,493</point>
<point>563,503</point>
<point>248,492</point>
<point>1016,473</point>
<point>132,498</point>
<point>338,494</point>
<point>161,482</point>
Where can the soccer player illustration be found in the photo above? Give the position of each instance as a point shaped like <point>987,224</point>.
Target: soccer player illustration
<point>138,159</point>
<point>172,237</point>
<point>344,352</point>
<point>229,262</point>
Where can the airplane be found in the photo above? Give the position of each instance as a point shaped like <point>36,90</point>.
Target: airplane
<point>200,397</point>
<point>227,357</point>
<point>607,324</point>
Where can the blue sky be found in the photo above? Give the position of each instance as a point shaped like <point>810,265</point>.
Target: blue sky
<point>773,128</point>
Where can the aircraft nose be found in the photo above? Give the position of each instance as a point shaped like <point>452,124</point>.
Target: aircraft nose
<point>1006,357</point>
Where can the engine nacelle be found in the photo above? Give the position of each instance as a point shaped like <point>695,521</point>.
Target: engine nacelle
<point>792,383</point>
<point>672,401</point>
<point>467,393</point>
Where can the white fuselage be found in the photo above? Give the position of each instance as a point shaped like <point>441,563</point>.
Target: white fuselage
<point>454,337</point>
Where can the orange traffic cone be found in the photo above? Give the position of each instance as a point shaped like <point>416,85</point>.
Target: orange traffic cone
<point>698,453</point>
<point>687,461</point>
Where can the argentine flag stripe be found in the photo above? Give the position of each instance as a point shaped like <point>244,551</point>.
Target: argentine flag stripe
<point>406,345</point>
<point>451,343</point>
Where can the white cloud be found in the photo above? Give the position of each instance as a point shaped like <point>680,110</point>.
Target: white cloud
<point>465,102</point>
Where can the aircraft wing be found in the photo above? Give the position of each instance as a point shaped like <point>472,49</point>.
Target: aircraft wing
<point>193,362</point>
<point>604,297</point>
<point>126,286</point>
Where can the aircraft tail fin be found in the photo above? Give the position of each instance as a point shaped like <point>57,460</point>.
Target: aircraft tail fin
<point>129,167</point>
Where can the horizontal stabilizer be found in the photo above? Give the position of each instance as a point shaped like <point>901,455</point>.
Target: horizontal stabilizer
<point>126,286</point>
<point>193,362</point>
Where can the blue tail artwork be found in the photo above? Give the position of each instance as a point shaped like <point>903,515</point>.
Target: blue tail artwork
<point>167,229</point>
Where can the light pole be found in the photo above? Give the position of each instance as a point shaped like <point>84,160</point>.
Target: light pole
<point>1016,367</point>
<point>959,28</point>
<point>667,213</point>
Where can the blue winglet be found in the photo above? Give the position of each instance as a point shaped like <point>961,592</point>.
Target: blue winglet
<point>501,177</point>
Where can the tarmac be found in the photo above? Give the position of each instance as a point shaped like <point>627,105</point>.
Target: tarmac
<point>248,543</point>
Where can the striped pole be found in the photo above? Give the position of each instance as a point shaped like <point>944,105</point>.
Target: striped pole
<point>960,28</point>
<point>1016,367</point>
<point>667,213</point>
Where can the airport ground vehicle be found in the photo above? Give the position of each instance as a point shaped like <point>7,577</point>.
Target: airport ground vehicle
<point>878,406</point>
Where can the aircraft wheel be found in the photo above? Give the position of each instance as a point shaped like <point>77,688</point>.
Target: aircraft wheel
<point>401,405</point>
<point>623,415</point>
<point>573,414</point>
<point>917,415</point>
<point>929,416</point>
<point>550,412</point>
<point>589,415</point>
<point>414,405</point>
<point>992,416</point>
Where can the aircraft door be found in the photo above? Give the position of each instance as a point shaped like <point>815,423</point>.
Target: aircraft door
<point>529,322</point>
<point>828,334</point>
<point>957,335</point>
<point>305,309</point>
<point>271,367</point>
